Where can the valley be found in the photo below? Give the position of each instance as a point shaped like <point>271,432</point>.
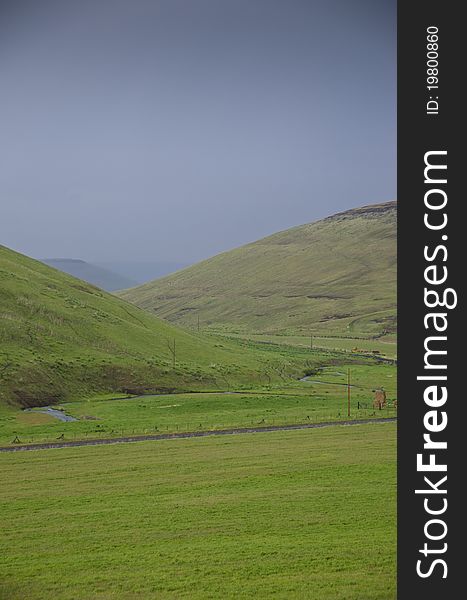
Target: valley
<point>236,381</point>
<point>319,398</point>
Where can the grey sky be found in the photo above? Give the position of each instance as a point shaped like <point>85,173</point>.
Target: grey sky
<point>175,129</point>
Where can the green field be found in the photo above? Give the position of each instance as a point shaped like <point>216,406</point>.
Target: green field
<point>323,397</point>
<point>336,277</point>
<point>303,514</point>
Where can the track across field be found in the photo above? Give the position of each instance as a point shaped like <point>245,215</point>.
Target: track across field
<point>189,434</point>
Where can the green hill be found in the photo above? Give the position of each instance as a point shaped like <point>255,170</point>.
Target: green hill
<point>62,338</point>
<point>336,276</point>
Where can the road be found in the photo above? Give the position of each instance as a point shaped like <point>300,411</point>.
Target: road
<point>189,434</point>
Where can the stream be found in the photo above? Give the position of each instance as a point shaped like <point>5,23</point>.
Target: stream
<point>53,412</point>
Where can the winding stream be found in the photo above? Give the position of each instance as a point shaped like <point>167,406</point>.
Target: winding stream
<point>53,412</point>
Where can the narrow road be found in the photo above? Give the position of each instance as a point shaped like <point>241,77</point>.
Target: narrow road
<point>189,434</point>
<point>311,381</point>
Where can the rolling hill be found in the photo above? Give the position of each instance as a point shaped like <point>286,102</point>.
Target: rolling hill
<point>336,276</point>
<point>103,278</point>
<point>64,339</point>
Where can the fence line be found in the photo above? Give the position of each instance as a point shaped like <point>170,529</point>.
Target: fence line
<point>388,411</point>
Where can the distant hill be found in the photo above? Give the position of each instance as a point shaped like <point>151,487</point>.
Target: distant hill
<point>62,338</point>
<point>99,276</point>
<point>142,271</point>
<point>336,276</point>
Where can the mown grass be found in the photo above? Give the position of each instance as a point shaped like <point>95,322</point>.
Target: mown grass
<point>303,514</point>
<point>336,276</point>
<point>323,397</point>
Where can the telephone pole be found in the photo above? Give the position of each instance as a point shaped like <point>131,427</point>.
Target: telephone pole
<point>311,341</point>
<point>172,352</point>
<point>348,392</point>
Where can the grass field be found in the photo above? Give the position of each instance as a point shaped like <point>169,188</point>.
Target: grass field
<point>288,515</point>
<point>336,276</point>
<point>323,397</point>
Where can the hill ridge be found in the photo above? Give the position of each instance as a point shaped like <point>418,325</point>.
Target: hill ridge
<point>367,209</point>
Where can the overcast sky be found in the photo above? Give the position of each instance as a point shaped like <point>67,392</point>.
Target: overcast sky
<point>175,129</point>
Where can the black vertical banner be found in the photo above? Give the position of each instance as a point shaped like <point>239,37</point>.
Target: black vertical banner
<point>432,242</point>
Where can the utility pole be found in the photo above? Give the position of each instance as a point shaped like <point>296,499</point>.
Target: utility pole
<point>172,351</point>
<point>198,323</point>
<point>348,392</point>
<point>311,341</point>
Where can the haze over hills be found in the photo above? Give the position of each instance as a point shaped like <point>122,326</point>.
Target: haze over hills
<point>62,338</point>
<point>96,275</point>
<point>336,276</point>
<point>114,275</point>
<point>142,271</point>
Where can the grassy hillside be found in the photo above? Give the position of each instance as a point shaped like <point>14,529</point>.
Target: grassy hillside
<point>62,339</point>
<point>336,276</point>
<point>103,278</point>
